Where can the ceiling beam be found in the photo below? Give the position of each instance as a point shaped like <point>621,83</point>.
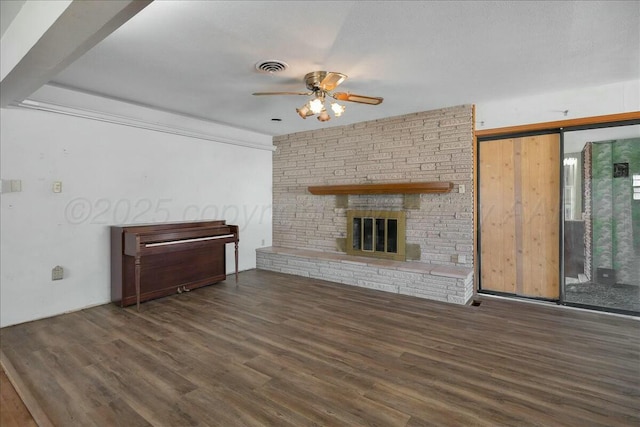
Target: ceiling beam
<point>44,39</point>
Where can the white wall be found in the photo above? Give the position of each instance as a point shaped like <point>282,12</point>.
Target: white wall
<point>622,97</point>
<point>111,174</point>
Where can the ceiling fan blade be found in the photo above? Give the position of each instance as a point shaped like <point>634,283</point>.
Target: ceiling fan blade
<point>343,96</point>
<point>283,93</point>
<point>332,80</point>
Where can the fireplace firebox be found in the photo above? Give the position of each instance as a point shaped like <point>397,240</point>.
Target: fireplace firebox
<point>379,234</point>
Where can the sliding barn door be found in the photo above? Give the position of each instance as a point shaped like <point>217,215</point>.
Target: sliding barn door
<point>519,216</point>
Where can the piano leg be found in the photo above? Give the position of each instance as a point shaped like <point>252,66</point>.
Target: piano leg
<point>236,261</point>
<point>137,280</point>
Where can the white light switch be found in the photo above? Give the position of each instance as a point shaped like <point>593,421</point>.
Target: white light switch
<point>57,186</point>
<point>462,188</point>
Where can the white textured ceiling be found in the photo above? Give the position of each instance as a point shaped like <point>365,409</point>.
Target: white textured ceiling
<point>197,58</point>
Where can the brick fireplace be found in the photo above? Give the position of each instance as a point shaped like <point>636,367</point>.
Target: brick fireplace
<point>310,231</point>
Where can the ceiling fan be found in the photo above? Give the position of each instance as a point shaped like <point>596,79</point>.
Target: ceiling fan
<point>321,85</point>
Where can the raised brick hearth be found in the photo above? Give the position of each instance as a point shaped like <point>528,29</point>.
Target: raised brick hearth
<point>436,282</point>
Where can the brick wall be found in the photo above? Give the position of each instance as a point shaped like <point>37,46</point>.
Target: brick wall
<point>427,146</point>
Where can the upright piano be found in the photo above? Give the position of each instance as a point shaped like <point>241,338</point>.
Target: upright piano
<point>155,260</point>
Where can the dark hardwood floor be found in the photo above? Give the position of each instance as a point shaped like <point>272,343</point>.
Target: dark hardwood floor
<point>288,351</point>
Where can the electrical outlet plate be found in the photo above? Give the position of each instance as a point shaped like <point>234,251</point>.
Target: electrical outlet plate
<point>57,186</point>
<point>57,273</point>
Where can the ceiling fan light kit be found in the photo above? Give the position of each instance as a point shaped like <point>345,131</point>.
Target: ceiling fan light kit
<point>321,84</point>
<point>316,105</point>
<point>304,111</point>
<point>324,116</point>
<point>337,109</point>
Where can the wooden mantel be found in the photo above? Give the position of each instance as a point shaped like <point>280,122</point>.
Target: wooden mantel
<point>387,188</point>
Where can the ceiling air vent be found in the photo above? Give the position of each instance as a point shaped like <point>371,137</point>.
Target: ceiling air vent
<point>271,66</point>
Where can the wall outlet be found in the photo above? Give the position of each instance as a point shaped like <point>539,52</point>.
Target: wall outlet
<point>57,186</point>
<point>462,188</point>
<point>458,259</point>
<point>57,273</point>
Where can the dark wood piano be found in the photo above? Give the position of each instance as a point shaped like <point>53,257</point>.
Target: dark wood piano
<point>155,260</point>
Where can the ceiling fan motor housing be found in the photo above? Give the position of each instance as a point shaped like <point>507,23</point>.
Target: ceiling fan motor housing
<point>313,79</point>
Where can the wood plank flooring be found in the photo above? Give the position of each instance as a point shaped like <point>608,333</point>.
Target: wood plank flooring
<point>13,413</point>
<point>289,351</point>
